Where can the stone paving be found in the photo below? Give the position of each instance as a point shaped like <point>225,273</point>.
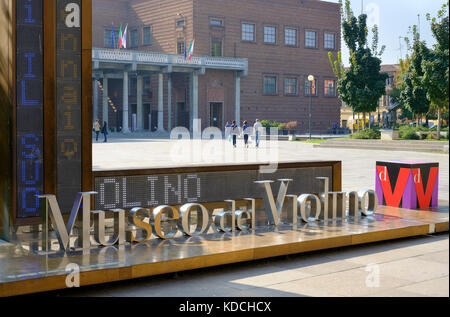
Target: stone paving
<point>401,268</point>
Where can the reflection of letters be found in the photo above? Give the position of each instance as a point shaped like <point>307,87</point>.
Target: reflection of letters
<point>70,95</point>
<point>69,148</point>
<point>67,37</point>
<point>74,69</point>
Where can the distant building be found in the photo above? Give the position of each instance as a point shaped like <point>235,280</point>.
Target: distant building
<point>251,60</point>
<point>386,107</point>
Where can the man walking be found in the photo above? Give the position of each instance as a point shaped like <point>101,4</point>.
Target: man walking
<point>257,127</point>
<point>235,131</point>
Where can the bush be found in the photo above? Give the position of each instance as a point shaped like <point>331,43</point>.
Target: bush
<point>272,124</point>
<point>407,132</point>
<point>290,126</point>
<point>368,134</point>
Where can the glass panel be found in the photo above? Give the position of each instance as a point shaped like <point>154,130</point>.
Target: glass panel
<point>147,35</point>
<point>291,37</point>
<point>290,86</point>
<point>310,39</point>
<point>248,32</point>
<point>270,85</point>
<point>329,41</point>
<point>269,34</point>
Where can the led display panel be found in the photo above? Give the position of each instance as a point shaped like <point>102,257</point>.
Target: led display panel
<point>68,98</point>
<point>29,106</point>
<point>175,189</point>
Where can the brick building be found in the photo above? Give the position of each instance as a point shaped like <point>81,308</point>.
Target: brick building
<point>251,60</point>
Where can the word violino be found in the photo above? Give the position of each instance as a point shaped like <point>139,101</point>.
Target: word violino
<point>321,207</point>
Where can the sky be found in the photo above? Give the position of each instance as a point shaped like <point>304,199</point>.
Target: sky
<point>394,17</point>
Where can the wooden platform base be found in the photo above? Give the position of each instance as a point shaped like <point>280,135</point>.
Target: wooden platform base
<point>23,271</point>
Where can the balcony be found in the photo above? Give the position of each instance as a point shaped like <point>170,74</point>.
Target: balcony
<point>102,56</point>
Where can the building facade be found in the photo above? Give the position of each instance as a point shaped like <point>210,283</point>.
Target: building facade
<point>251,59</point>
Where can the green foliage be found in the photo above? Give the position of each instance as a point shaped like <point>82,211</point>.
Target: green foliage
<point>272,124</point>
<point>407,132</point>
<point>362,85</point>
<point>367,134</point>
<point>413,95</point>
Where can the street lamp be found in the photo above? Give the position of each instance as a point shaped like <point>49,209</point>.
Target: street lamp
<point>311,81</point>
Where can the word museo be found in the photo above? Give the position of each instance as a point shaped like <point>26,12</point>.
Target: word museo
<point>312,208</point>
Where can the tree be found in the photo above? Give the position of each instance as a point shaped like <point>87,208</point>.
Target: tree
<point>361,85</point>
<point>413,96</point>
<point>436,67</point>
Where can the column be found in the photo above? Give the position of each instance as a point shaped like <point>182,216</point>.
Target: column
<point>105,100</point>
<point>160,102</point>
<point>237,100</point>
<point>125,104</point>
<point>169,103</point>
<point>139,110</point>
<point>95,101</point>
<point>194,96</point>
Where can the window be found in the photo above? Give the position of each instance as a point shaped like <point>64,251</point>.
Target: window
<point>290,37</point>
<point>147,85</point>
<point>270,85</point>
<point>270,34</point>
<point>216,47</point>
<point>134,38</point>
<point>329,41</point>
<point>248,32</point>
<point>180,23</point>
<point>290,86</point>
<point>180,47</point>
<point>216,22</point>
<point>147,35</point>
<point>108,42</point>
<point>311,91</point>
<point>310,39</point>
<point>330,89</point>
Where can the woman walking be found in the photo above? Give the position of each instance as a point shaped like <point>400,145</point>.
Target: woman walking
<point>235,131</point>
<point>246,132</point>
<point>97,127</point>
<point>105,131</point>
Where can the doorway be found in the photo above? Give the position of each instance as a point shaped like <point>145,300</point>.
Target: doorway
<point>182,115</point>
<point>216,114</point>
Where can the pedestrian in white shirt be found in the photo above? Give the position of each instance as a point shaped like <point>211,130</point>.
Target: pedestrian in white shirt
<point>257,127</point>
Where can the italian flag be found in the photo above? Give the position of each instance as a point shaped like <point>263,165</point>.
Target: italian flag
<point>120,36</point>
<point>123,37</point>
<point>191,49</point>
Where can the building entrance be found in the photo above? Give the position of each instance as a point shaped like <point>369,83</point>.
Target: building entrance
<point>183,115</point>
<point>216,114</point>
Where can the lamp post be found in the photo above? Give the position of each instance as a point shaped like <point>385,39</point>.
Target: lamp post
<point>311,81</point>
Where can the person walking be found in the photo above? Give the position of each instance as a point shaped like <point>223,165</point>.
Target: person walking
<point>246,132</point>
<point>97,127</point>
<point>228,131</point>
<point>105,131</point>
<point>235,131</point>
<point>257,127</point>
